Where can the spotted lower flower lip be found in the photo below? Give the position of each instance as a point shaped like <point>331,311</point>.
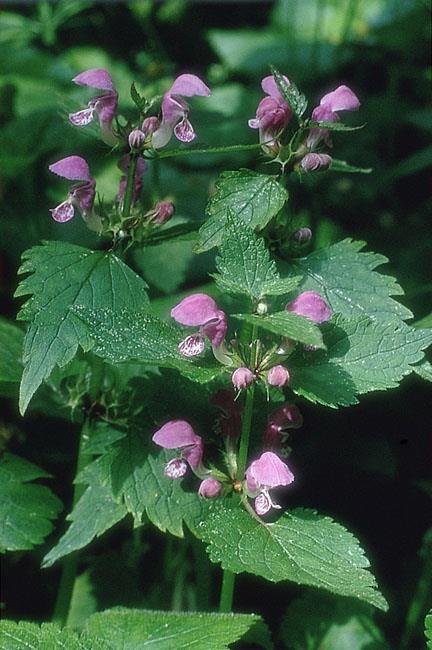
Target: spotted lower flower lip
<point>81,195</point>
<point>263,474</point>
<point>200,310</point>
<point>178,434</point>
<point>175,110</point>
<point>103,105</point>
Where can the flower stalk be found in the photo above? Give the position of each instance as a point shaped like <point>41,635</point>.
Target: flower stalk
<point>128,197</point>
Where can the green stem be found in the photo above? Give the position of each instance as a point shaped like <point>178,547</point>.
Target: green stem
<point>192,152</point>
<point>129,186</point>
<point>227,592</point>
<point>70,564</point>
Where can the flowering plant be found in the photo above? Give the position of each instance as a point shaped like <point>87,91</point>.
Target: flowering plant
<point>186,412</point>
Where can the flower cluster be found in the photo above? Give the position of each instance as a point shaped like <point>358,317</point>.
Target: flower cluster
<point>153,133</point>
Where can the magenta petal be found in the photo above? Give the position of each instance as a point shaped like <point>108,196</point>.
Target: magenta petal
<point>63,212</point>
<point>82,118</point>
<point>341,99</point>
<point>242,378</point>
<point>278,376</point>
<point>210,488</point>
<point>175,434</point>
<point>176,468</point>
<point>192,345</point>
<point>196,309</point>
<point>269,86</point>
<point>95,78</point>
<point>268,471</point>
<point>74,168</point>
<point>216,329</point>
<point>189,85</point>
<point>262,504</point>
<point>311,305</point>
<point>194,453</point>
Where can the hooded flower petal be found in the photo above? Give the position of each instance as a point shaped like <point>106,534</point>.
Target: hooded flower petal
<point>311,305</point>
<point>196,309</point>
<point>269,471</point>
<point>341,99</point>
<point>175,110</point>
<point>104,105</point>
<point>95,78</point>
<point>74,168</point>
<point>175,434</point>
<point>270,87</point>
<point>272,115</point>
<point>210,488</point>
<point>216,329</point>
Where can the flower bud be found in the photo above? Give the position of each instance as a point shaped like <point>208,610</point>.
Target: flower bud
<point>161,213</point>
<point>242,378</point>
<point>310,305</point>
<point>210,488</point>
<point>314,162</point>
<point>302,235</point>
<point>150,125</point>
<point>261,308</point>
<point>278,376</point>
<point>136,139</point>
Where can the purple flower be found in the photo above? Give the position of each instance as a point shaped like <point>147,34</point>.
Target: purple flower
<point>278,376</point>
<point>341,99</point>
<point>311,305</point>
<point>81,195</point>
<point>104,105</point>
<point>150,125</point>
<point>268,472</point>
<point>314,162</point>
<point>175,110</point>
<point>141,168</point>
<point>136,139</point>
<point>199,310</point>
<point>272,115</point>
<point>285,417</point>
<point>242,378</point>
<point>210,488</point>
<point>178,434</point>
<point>302,235</point>
<point>161,213</point>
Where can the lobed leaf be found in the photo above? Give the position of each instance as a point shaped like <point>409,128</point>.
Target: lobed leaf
<point>302,546</point>
<point>11,342</point>
<point>48,636</point>
<point>343,166</point>
<point>252,198</point>
<point>362,355</point>
<point>26,509</point>
<point>296,100</point>
<point>245,265</point>
<point>346,278</point>
<point>63,275</point>
<point>428,630</point>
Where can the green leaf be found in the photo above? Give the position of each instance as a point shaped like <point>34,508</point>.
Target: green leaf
<point>95,513</point>
<point>343,166</point>
<point>64,275</point>
<point>134,629</point>
<point>127,335</point>
<point>287,324</point>
<point>296,100</point>
<point>253,198</point>
<point>424,322</point>
<point>362,355</point>
<point>334,126</point>
<point>320,620</point>
<point>192,150</point>
<point>26,509</point>
<point>428,629</point>
<point>139,101</point>
<point>48,636</point>
<point>303,547</point>
<point>245,266</point>
<point>345,277</point>
<point>11,342</point>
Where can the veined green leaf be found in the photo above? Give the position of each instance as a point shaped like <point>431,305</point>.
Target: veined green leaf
<point>11,343</point>
<point>428,630</point>
<point>303,546</point>
<point>289,91</point>
<point>63,275</point>
<point>48,636</point>
<point>252,198</point>
<point>334,126</point>
<point>289,325</point>
<point>245,266</point>
<point>343,166</point>
<point>26,509</point>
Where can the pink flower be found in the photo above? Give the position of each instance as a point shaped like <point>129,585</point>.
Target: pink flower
<point>175,110</point>
<point>199,310</point>
<point>285,417</point>
<point>178,434</point>
<point>136,139</point>
<point>210,488</point>
<point>341,99</point>
<point>268,472</point>
<point>141,168</point>
<point>242,378</point>
<point>302,235</point>
<point>278,376</point>
<point>161,213</point>
<point>104,105</point>
<point>272,115</point>
<point>314,162</point>
<point>310,305</point>
<point>81,195</point>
